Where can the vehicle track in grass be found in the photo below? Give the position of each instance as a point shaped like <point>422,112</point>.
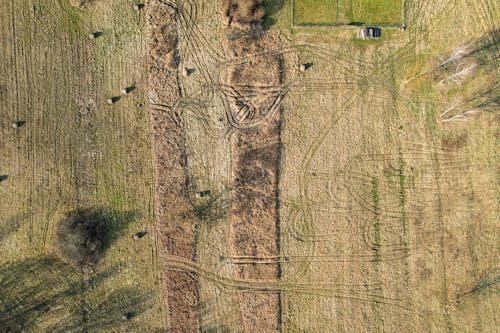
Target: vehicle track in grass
<point>359,292</point>
<point>252,93</point>
<point>176,222</point>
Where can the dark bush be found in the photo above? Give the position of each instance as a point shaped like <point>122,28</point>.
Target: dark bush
<point>244,12</point>
<point>84,235</point>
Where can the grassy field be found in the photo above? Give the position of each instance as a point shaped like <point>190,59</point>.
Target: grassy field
<point>388,188</point>
<point>379,230</point>
<point>388,208</point>
<point>335,12</point>
<point>75,151</point>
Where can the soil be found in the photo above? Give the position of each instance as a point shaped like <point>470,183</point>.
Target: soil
<point>176,220</point>
<point>255,169</point>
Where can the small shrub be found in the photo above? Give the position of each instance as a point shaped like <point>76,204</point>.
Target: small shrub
<point>80,238</point>
<point>84,235</point>
<point>244,13</point>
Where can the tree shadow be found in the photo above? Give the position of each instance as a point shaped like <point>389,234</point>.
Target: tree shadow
<point>30,288</point>
<point>272,7</point>
<point>12,225</point>
<point>486,49</point>
<point>43,294</point>
<point>476,60</point>
<point>84,235</point>
<point>114,312</point>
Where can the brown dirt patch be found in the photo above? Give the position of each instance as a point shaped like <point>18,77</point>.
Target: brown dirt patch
<point>254,78</point>
<point>176,220</point>
<point>254,208</point>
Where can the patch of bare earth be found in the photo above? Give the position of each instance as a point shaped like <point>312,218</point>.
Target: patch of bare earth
<point>176,220</point>
<point>255,151</point>
<point>81,3</point>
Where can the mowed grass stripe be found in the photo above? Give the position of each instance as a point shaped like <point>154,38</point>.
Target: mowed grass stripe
<point>338,12</point>
<point>315,11</point>
<point>383,12</point>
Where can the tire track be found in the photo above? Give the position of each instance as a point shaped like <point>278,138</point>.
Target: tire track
<point>177,224</point>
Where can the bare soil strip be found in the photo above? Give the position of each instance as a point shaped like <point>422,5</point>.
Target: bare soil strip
<point>255,167</point>
<point>176,221</point>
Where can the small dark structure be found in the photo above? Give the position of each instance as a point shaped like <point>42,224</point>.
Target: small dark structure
<point>18,124</point>
<point>128,316</point>
<point>203,194</point>
<point>139,235</point>
<point>187,71</point>
<point>94,35</point>
<point>128,90</point>
<point>370,33</point>
<point>305,67</point>
<point>114,99</point>
<point>3,177</point>
<point>139,6</point>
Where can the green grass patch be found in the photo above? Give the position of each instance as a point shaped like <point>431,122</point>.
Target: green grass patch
<point>315,12</point>
<point>355,12</point>
<point>380,12</point>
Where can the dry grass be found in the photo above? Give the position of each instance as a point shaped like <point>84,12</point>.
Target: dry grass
<point>81,3</point>
<point>387,217</point>
<point>76,151</point>
<point>374,190</point>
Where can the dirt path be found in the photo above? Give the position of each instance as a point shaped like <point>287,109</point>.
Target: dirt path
<point>255,155</point>
<point>175,217</point>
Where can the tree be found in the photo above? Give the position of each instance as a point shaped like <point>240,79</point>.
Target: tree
<point>85,234</point>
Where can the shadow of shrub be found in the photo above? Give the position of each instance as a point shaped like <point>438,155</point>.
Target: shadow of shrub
<point>272,7</point>
<point>11,225</point>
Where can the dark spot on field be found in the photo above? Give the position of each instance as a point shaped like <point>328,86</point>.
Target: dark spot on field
<point>84,235</point>
<point>454,141</point>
